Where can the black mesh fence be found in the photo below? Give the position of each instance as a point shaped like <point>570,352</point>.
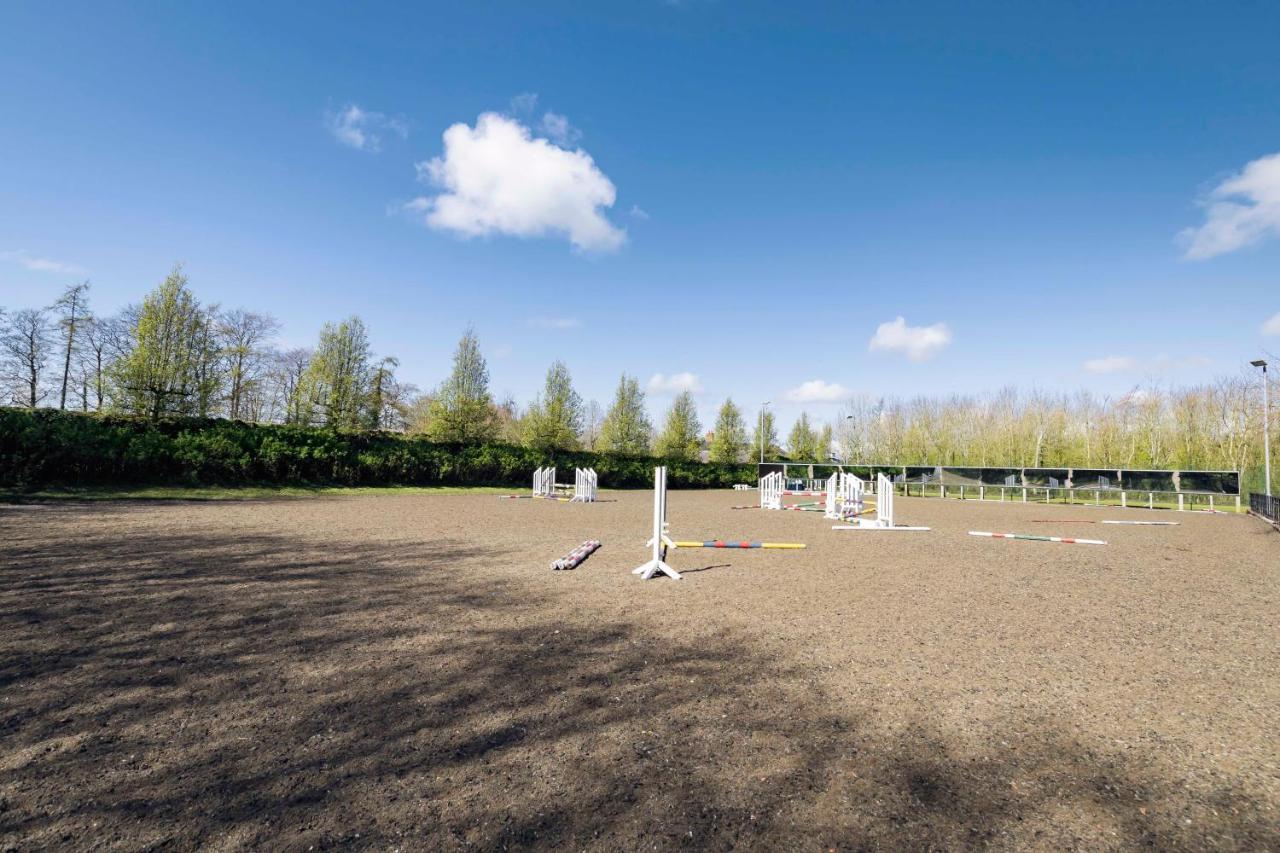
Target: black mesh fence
<point>1267,506</point>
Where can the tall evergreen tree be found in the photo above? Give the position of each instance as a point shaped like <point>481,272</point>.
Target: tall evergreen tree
<point>554,421</point>
<point>802,442</point>
<point>338,376</point>
<point>626,428</point>
<point>768,439</point>
<point>463,410</point>
<point>681,433</point>
<point>729,441</point>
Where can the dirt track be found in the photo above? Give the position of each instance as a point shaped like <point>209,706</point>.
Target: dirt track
<point>405,671</point>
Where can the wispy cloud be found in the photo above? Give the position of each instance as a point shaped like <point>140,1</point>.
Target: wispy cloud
<point>1272,326</point>
<point>37,264</point>
<point>1240,211</point>
<point>524,103</point>
<point>498,178</point>
<point>557,128</point>
<point>818,391</point>
<point>554,322</point>
<point>638,212</point>
<point>675,383</point>
<point>1129,364</point>
<point>917,343</point>
<point>362,129</point>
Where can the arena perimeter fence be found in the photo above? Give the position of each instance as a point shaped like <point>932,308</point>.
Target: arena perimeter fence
<point>1267,506</point>
<point>1215,491</point>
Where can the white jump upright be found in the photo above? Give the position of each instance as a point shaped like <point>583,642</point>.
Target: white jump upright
<point>544,483</point>
<point>771,488</point>
<point>884,511</point>
<point>845,496</point>
<point>660,540</point>
<point>584,485</point>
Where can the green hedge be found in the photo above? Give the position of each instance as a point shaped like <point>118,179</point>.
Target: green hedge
<point>46,447</point>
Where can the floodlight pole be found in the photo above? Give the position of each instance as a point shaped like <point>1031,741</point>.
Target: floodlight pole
<point>1266,426</point>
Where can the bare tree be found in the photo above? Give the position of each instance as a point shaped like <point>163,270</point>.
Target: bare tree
<point>26,346</point>
<point>244,337</point>
<point>73,308</point>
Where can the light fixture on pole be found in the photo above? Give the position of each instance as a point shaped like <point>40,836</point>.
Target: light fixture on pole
<point>1266,426</point>
<point>762,405</point>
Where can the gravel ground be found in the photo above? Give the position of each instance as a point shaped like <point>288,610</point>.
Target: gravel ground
<point>406,672</point>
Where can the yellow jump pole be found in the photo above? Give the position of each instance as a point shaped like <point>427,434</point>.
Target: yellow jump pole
<point>721,543</point>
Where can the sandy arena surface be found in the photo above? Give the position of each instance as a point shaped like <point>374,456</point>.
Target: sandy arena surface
<point>405,672</point>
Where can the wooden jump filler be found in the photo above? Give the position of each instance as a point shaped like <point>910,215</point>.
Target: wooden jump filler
<point>661,541</point>
<point>884,511</point>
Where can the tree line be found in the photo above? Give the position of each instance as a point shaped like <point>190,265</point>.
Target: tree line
<point>173,355</point>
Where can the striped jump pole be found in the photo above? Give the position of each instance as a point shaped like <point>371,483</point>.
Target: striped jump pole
<point>576,556</point>
<point>515,497</point>
<point>722,543</point>
<point>1065,540</point>
<point>1146,523</point>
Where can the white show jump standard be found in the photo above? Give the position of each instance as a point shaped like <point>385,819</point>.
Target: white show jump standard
<point>884,511</point>
<point>584,485</point>
<point>660,540</point>
<point>845,496</point>
<point>1064,539</point>
<point>771,488</point>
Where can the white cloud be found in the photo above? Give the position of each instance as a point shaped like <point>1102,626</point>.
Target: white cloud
<point>638,212</point>
<point>360,129</point>
<point>36,264</point>
<point>918,343</point>
<point>558,130</point>
<point>1157,364</point>
<point>818,391</point>
<point>1272,326</point>
<point>1241,210</point>
<point>675,383</point>
<point>554,322</point>
<point>497,178</point>
<point>1111,364</point>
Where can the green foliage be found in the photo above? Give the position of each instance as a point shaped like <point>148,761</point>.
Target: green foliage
<point>802,442</point>
<point>554,421</point>
<point>337,382</point>
<point>770,438</point>
<point>681,435</point>
<point>46,447</point>
<point>729,442</point>
<point>167,369</point>
<point>462,410</point>
<point>626,428</point>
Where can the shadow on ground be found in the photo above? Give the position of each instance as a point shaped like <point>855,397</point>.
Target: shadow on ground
<point>194,690</point>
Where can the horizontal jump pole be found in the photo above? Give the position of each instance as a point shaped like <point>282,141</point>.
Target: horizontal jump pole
<point>873,527</point>
<point>1146,523</point>
<point>721,543</point>
<point>1065,540</point>
<point>515,497</point>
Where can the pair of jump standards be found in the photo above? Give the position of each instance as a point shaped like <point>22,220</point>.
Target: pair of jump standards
<point>584,485</point>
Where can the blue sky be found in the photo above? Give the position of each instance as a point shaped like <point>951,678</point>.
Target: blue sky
<point>742,192</point>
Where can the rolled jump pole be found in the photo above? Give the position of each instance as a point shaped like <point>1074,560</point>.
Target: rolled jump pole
<point>721,543</point>
<point>1063,539</point>
<point>576,556</point>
